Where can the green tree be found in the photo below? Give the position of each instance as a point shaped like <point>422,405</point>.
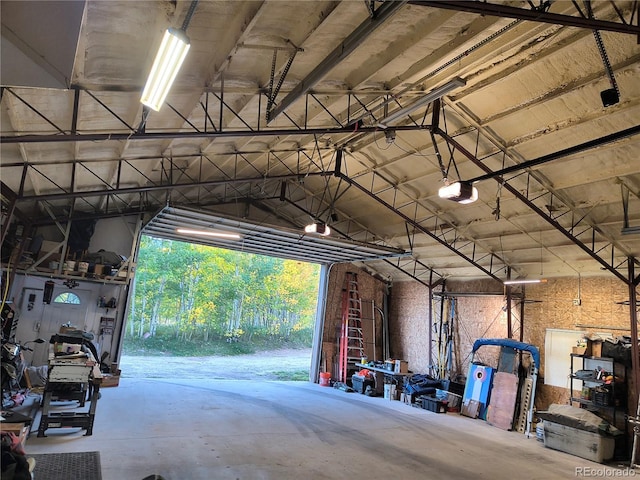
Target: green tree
<point>203,293</point>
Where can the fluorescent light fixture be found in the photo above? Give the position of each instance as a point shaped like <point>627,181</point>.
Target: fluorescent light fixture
<point>461,192</point>
<point>318,227</point>
<point>173,50</point>
<point>523,281</point>
<point>208,233</point>
<point>434,94</point>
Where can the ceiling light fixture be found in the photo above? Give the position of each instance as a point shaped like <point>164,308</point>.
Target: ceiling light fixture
<point>523,281</point>
<point>172,52</point>
<point>208,233</point>
<point>461,192</point>
<point>320,228</point>
<point>434,94</point>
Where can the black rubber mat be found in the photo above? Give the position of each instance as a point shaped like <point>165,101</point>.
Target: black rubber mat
<point>67,466</point>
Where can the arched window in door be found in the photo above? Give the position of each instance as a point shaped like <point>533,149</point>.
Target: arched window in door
<point>68,298</point>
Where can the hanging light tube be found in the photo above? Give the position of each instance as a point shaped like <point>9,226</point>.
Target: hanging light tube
<point>434,94</point>
<point>208,233</point>
<point>173,50</point>
<point>523,281</point>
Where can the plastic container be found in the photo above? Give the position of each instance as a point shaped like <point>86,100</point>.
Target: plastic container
<point>434,405</point>
<point>360,384</point>
<point>325,379</point>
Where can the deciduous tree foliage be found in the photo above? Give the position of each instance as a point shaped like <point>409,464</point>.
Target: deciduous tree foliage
<point>200,292</point>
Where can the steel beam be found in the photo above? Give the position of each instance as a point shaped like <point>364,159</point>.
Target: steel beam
<point>505,11</point>
<point>9,198</point>
<point>635,350</point>
<point>418,226</point>
<point>167,186</point>
<point>342,51</point>
<point>101,137</point>
<point>540,212</point>
<point>613,137</point>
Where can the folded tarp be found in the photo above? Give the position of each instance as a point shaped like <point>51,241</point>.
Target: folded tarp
<point>421,384</point>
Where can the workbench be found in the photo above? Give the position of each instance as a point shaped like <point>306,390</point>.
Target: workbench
<point>384,375</point>
<point>71,378</point>
<point>15,423</point>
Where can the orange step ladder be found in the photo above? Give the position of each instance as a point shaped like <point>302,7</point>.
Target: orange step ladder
<point>351,341</point>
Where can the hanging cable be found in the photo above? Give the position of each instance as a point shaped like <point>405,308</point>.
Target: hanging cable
<point>605,60</point>
<point>443,170</point>
<point>187,18</point>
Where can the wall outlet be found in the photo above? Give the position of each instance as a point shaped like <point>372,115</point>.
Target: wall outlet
<point>577,302</point>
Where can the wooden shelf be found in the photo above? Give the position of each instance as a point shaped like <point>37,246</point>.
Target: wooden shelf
<point>90,277</point>
<point>589,403</point>
<point>587,357</point>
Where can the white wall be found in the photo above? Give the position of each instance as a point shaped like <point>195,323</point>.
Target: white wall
<point>43,320</point>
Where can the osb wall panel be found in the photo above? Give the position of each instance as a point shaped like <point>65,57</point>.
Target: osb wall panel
<point>473,318</point>
<point>409,324</point>
<point>554,309</point>
<point>468,329</point>
<point>482,316</point>
<point>486,317</point>
<point>369,289</point>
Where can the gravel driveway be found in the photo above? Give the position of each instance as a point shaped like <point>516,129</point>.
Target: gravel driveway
<point>258,366</point>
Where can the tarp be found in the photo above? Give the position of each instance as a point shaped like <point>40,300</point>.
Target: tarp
<point>507,342</point>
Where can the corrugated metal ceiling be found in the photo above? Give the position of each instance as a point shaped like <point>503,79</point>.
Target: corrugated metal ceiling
<point>274,117</point>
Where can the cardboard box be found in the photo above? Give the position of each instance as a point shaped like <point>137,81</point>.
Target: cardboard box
<point>589,445</point>
<point>110,380</point>
<point>579,350</point>
<point>594,348</point>
<point>401,366</point>
<point>47,247</point>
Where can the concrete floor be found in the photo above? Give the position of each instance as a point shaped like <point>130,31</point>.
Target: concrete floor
<point>230,429</point>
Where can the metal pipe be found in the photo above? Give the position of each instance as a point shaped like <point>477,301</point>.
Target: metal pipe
<point>533,15</point>
<point>633,318</point>
<point>598,142</point>
<point>101,137</point>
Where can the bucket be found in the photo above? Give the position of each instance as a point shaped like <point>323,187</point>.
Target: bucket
<point>83,267</point>
<point>325,379</point>
<point>70,265</point>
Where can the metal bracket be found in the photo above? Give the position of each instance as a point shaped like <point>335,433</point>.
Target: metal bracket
<point>273,92</point>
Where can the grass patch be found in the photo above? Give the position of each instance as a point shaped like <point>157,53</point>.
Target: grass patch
<point>294,376</point>
<point>165,344</point>
<point>160,346</point>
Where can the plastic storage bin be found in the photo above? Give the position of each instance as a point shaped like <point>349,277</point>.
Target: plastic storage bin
<point>434,405</point>
<point>359,384</point>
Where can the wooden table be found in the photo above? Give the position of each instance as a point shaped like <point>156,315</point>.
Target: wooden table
<point>71,378</point>
<point>16,423</point>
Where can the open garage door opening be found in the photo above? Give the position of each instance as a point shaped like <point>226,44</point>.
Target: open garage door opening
<point>199,311</point>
